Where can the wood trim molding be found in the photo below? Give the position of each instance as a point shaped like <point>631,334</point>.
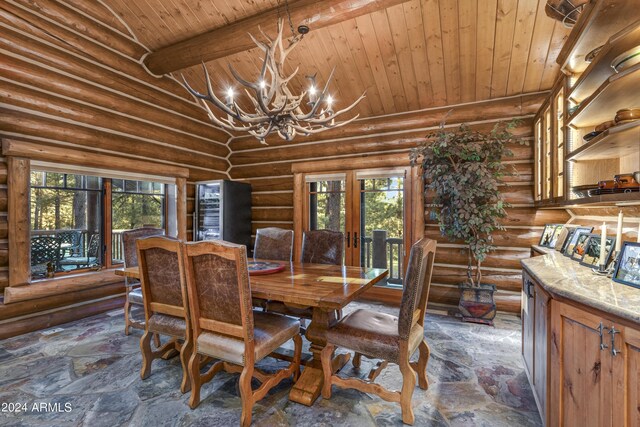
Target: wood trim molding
<point>18,221</point>
<point>50,287</point>
<point>181,208</point>
<point>363,161</point>
<point>42,152</point>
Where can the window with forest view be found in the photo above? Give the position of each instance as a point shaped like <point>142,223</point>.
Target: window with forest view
<point>69,230</point>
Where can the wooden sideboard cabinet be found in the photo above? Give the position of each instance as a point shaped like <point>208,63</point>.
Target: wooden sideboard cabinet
<point>535,323</point>
<point>583,364</point>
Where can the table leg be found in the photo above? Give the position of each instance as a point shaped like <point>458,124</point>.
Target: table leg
<point>308,387</point>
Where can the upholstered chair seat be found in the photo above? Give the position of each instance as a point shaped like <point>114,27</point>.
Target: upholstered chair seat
<point>373,334</point>
<point>270,332</point>
<point>389,338</point>
<point>166,324</point>
<point>135,296</point>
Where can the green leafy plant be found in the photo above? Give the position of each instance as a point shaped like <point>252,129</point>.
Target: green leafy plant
<point>462,169</point>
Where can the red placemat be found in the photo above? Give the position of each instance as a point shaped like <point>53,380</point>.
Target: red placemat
<point>257,268</point>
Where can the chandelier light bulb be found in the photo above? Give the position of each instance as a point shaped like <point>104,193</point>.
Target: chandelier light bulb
<point>329,101</point>
<point>262,84</point>
<point>312,90</point>
<point>230,93</point>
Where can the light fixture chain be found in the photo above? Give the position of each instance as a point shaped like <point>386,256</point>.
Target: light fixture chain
<point>286,6</point>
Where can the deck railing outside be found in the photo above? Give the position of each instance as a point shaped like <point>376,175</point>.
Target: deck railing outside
<point>380,251</point>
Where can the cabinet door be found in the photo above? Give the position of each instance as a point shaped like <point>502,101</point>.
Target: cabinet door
<point>540,348</point>
<point>581,378</point>
<point>627,378</point>
<point>528,318</point>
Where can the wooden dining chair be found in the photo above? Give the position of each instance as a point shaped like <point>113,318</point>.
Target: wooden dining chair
<point>165,302</point>
<point>322,247</point>
<point>273,243</point>
<point>133,295</point>
<point>389,338</point>
<point>225,326</point>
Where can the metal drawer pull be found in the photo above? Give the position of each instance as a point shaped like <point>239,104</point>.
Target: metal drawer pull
<point>613,331</point>
<point>601,329</point>
<point>528,285</point>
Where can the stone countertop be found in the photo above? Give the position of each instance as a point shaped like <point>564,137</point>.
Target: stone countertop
<point>566,278</point>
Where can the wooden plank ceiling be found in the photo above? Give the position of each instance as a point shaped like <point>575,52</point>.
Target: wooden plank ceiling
<point>418,54</point>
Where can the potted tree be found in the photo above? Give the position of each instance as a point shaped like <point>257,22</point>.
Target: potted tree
<point>462,169</point>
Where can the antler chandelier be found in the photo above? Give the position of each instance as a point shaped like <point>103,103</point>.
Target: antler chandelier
<point>275,107</point>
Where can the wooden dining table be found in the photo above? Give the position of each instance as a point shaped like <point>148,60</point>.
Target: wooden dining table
<point>326,289</point>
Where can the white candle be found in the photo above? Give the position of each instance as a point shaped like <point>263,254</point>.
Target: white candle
<point>619,232</point>
<point>603,244</point>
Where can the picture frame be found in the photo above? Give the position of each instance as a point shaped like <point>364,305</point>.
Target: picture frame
<point>627,270</point>
<point>550,235</point>
<point>562,237</point>
<point>591,256</point>
<point>578,249</point>
<point>567,249</point>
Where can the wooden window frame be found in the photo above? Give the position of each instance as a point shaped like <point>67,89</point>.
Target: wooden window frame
<point>19,156</point>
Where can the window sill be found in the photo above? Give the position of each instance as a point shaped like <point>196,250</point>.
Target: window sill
<point>60,285</point>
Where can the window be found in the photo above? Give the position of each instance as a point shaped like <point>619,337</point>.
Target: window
<point>70,227</point>
<point>134,204</point>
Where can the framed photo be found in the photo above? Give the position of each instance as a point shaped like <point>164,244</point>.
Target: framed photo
<point>628,269</point>
<point>567,249</point>
<point>591,255</point>
<point>550,235</point>
<point>562,237</point>
<point>578,249</point>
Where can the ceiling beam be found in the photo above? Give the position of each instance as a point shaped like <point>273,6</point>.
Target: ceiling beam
<point>234,38</point>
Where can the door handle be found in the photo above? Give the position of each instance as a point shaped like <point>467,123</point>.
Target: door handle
<point>355,239</point>
<point>348,239</point>
<point>601,329</point>
<point>613,331</point>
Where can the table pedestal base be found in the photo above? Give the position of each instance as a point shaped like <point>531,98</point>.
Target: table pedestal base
<point>308,387</point>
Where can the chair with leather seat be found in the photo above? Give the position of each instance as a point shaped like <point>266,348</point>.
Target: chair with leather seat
<point>166,310</point>
<point>389,338</point>
<point>133,294</point>
<point>275,244</point>
<point>226,327</point>
<point>322,247</point>
<point>318,247</point>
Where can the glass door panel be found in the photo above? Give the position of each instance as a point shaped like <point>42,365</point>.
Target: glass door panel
<point>327,200</point>
<point>381,224</point>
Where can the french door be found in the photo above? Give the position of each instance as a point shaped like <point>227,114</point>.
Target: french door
<point>371,208</point>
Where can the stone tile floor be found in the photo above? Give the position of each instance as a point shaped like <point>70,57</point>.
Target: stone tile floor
<point>87,374</point>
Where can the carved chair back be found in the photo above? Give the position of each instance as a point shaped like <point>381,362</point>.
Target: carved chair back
<point>219,291</point>
<point>273,243</point>
<point>416,286</point>
<point>162,277</point>
<point>322,247</point>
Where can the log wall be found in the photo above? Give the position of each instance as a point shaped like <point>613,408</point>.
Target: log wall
<point>268,169</point>
<point>71,76</point>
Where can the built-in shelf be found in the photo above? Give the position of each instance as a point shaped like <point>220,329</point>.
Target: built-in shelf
<point>597,22</point>
<point>615,142</point>
<point>617,92</point>
<point>600,69</point>
<point>603,200</point>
